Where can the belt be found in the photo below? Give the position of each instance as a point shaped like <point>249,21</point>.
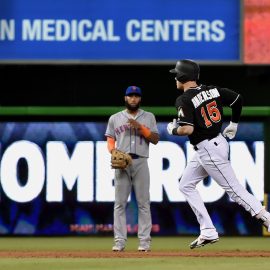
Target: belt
<point>134,156</point>
<point>209,139</point>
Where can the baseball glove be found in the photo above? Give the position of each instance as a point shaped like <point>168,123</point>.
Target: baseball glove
<point>120,160</point>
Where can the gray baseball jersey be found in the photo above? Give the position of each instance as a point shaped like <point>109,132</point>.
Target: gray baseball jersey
<point>128,140</point>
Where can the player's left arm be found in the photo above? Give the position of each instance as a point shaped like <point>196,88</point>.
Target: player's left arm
<point>235,102</point>
<point>151,136</point>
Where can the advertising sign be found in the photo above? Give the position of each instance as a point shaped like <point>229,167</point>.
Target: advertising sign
<point>56,179</point>
<point>103,30</point>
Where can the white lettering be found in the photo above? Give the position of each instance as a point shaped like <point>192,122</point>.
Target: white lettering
<point>167,162</point>
<point>36,171</point>
<point>48,33</point>
<point>204,96</point>
<point>103,30</point>
<point>99,31</point>
<point>249,171</point>
<point>31,31</point>
<point>218,34</point>
<point>162,31</point>
<point>189,30</point>
<point>175,30</point>
<point>62,30</point>
<point>74,34</point>
<point>147,30</point>
<point>214,92</point>
<point>61,168</point>
<point>167,178</point>
<point>7,30</point>
<point>84,27</point>
<point>104,174</point>
<point>111,35</point>
<point>203,31</point>
<point>131,30</point>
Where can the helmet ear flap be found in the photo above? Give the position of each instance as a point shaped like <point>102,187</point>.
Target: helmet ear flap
<point>182,78</point>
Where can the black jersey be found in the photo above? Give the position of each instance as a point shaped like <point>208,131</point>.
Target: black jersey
<point>202,107</point>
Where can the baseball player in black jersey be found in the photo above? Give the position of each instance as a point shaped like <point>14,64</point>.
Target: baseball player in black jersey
<point>200,117</point>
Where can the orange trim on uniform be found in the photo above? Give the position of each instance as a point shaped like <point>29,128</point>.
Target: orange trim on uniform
<point>110,144</point>
<point>146,132</point>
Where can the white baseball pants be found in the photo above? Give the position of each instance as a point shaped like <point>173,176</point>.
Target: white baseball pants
<point>211,158</point>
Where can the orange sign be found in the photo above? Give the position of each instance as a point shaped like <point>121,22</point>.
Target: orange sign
<point>257,32</point>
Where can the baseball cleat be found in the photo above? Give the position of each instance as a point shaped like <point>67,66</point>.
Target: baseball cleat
<point>200,242</point>
<point>118,248</point>
<point>144,246</point>
<point>264,218</point>
<point>267,228</point>
<point>144,249</point>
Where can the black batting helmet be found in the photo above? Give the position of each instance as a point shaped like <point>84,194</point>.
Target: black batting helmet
<point>186,70</point>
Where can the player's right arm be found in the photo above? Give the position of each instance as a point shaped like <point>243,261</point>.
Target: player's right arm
<point>110,144</point>
<point>184,125</point>
<point>184,130</point>
<point>110,135</point>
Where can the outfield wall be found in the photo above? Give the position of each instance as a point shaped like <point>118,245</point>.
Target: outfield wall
<point>56,177</point>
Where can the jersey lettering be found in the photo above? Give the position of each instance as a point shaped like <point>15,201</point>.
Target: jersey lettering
<point>213,113</point>
<point>120,129</point>
<point>204,96</point>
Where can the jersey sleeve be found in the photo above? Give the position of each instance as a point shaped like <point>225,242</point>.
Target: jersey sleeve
<point>234,101</point>
<point>228,97</point>
<point>184,112</point>
<point>153,124</point>
<point>110,128</point>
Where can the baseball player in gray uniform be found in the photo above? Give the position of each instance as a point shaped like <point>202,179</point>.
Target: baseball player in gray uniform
<point>200,117</point>
<point>131,131</point>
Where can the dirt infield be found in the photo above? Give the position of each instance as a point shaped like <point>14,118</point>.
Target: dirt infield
<point>127,254</point>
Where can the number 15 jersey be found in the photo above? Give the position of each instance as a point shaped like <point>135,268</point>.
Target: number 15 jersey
<point>202,108</point>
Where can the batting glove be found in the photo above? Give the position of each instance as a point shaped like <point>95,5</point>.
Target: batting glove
<point>172,127</point>
<point>230,130</point>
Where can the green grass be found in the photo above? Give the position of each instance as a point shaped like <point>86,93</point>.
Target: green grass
<point>137,264</point>
<point>158,263</point>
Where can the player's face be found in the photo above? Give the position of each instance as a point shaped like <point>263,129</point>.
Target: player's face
<point>132,102</point>
<point>179,85</point>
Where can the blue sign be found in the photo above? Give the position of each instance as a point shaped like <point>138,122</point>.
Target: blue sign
<point>104,30</point>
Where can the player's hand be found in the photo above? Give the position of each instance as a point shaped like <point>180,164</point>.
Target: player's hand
<point>230,130</point>
<point>134,124</point>
<point>171,126</point>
